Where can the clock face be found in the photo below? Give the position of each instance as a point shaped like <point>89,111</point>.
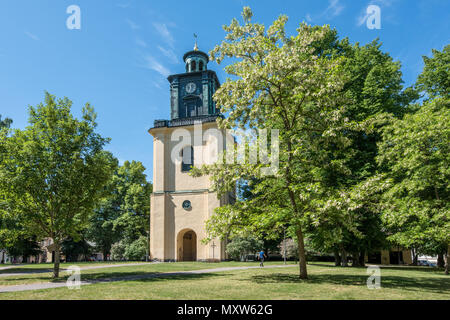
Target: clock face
<point>190,87</point>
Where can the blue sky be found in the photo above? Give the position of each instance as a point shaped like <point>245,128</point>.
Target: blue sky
<point>120,58</point>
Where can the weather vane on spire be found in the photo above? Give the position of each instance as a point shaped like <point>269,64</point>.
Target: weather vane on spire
<point>195,47</point>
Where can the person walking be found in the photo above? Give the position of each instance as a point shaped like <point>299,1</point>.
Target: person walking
<point>262,255</point>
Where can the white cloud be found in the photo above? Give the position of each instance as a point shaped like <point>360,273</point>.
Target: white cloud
<point>32,36</point>
<point>334,8</point>
<point>152,64</point>
<point>162,30</point>
<point>169,54</point>
<point>132,25</point>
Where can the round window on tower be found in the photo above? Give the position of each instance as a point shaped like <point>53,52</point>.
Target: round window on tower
<point>187,205</point>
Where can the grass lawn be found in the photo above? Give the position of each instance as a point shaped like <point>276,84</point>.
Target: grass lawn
<point>33,266</point>
<point>326,282</point>
<point>45,273</point>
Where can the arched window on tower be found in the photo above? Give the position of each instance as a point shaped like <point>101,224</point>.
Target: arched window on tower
<point>193,66</point>
<point>200,66</point>
<point>187,67</point>
<point>187,156</point>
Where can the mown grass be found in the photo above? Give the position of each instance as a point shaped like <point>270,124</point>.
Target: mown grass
<point>44,274</point>
<point>325,282</point>
<point>33,266</point>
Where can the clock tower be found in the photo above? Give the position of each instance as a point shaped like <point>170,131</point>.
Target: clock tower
<point>191,92</point>
<point>180,203</point>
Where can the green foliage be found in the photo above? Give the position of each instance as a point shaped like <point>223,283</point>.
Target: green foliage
<point>23,246</point>
<point>54,171</point>
<point>325,96</point>
<point>134,251</point>
<point>118,251</point>
<point>239,247</point>
<point>6,123</point>
<point>283,83</point>
<point>415,151</point>
<point>123,215</point>
<point>137,250</point>
<point>435,77</point>
<point>347,220</point>
<point>73,250</point>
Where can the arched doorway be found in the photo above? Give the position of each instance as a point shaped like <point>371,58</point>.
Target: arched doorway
<point>187,245</point>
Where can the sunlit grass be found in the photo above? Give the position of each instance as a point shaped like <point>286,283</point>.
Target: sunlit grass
<point>45,272</point>
<point>325,282</point>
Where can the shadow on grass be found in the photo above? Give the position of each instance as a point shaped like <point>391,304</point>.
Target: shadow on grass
<point>435,285</point>
<point>14,271</point>
<point>424,269</point>
<point>106,277</point>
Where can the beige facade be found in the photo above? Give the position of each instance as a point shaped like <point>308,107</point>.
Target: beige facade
<point>176,233</point>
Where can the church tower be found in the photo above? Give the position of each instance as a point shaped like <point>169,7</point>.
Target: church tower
<point>181,204</point>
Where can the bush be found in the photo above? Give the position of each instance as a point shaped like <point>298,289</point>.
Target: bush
<point>239,247</point>
<point>136,250</point>
<point>118,251</point>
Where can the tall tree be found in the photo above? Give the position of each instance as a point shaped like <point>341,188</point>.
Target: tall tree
<point>435,77</point>
<point>124,213</point>
<point>54,171</point>
<point>280,82</point>
<point>416,152</point>
<point>375,87</point>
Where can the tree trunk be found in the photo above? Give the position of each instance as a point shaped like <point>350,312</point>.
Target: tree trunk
<point>355,259</point>
<point>337,258</point>
<point>440,260</point>
<point>301,254</point>
<point>344,258</point>
<point>57,259</point>
<point>362,258</point>
<point>415,257</point>
<point>447,260</point>
<point>105,255</point>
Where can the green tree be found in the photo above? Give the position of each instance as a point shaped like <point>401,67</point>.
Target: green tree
<point>375,87</point>
<point>137,249</point>
<point>239,247</point>
<point>124,213</point>
<point>118,251</point>
<point>24,246</point>
<point>416,152</point>
<point>6,123</point>
<point>280,82</point>
<point>435,77</point>
<point>54,171</point>
<point>74,249</point>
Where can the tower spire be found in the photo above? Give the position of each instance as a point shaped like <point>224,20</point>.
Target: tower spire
<point>195,47</point>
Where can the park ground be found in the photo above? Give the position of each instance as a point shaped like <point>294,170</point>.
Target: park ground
<point>325,282</point>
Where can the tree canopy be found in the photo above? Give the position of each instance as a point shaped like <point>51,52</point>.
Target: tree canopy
<point>54,171</point>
